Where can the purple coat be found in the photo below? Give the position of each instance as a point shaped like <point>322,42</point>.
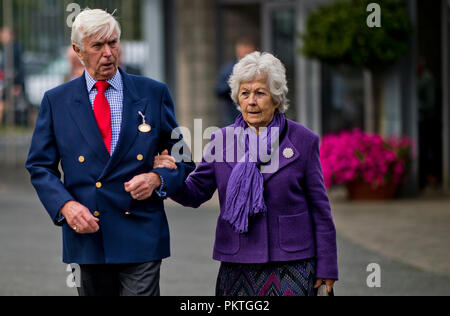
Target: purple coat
<point>298,224</point>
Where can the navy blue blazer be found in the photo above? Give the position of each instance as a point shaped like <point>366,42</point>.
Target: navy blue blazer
<point>66,131</point>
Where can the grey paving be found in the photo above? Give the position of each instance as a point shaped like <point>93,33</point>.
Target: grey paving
<point>30,248</point>
<point>413,231</point>
<point>397,278</point>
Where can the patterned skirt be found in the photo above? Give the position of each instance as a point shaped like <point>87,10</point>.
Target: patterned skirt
<point>270,279</point>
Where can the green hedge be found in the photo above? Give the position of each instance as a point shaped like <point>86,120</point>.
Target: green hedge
<point>338,34</point>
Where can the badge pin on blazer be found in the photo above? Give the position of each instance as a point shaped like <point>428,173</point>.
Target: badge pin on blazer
<point>144,127</point>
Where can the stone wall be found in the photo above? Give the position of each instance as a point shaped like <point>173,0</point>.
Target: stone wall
<point>196,62</point>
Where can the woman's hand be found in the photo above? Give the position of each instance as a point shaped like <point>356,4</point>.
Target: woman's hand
<point>329,283</point>
<point>165,161</point>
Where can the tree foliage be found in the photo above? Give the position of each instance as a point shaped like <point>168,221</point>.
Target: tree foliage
<point>338,34</point>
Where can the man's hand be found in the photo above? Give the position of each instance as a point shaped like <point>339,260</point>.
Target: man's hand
<point>80,218</point>
<point>165,161</point>
<point>142,186</point>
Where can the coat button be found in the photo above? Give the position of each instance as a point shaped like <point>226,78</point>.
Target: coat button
<point>96,213</point>
<point>98,185</point>
<point>81,159</point>
<point>140,157</point>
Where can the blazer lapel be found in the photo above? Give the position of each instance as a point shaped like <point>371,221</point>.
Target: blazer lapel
<point>130,122</point>
<point>83,115</point>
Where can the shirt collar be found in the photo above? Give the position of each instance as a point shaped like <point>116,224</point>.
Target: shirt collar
<point>115,82</point>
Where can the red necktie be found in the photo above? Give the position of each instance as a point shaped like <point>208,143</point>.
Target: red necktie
<point>102,113</point>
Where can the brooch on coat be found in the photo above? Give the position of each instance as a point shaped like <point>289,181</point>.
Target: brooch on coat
<point>288,153</point>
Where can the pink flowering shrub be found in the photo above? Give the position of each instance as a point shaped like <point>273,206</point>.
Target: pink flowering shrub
<point>356,155</point>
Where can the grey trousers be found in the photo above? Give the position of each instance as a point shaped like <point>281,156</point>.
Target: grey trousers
<point>120,279</point>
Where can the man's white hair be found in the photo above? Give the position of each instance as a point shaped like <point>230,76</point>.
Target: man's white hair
<point>261,64</point>
<point>94,22</point>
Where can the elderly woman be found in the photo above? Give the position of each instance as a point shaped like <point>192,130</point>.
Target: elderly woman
<point>275,233</point>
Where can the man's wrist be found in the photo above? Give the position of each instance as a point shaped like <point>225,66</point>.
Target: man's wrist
<point>159,180</point>
<point>161,190</point>
<point>61,217</point>
<point>63,208</point>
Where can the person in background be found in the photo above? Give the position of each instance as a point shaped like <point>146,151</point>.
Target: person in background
<point>76,67</point>
<point>275,234</point>
<point>2,103</point>
<point>229,111</point>
<point>7,36</point>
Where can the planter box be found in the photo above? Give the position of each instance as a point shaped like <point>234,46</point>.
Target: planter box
<point>361,190</point>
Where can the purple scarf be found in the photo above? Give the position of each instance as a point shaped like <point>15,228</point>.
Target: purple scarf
<point>245,190</point>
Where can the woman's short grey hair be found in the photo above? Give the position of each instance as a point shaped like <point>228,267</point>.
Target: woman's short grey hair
<point>261,64</point>
<point>92,22</point>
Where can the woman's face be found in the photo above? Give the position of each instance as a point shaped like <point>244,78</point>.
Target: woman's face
<point>256,102</point>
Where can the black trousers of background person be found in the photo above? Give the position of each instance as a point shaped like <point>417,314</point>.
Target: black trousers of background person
<point>120,279</point>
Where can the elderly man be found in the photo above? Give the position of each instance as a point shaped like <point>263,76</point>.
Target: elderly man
<point>105,128</point>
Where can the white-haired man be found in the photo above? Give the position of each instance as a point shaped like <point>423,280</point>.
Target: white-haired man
<point>105,128</point>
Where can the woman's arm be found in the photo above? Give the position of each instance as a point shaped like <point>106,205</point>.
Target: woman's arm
<point>198,188</point>
<point>318,202</point>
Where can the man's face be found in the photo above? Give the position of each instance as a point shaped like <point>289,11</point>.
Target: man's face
<point>100,56</point>
<point>5,35</point>
<point>243,50</point>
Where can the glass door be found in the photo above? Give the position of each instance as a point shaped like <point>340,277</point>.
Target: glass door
<point>342,99</point>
